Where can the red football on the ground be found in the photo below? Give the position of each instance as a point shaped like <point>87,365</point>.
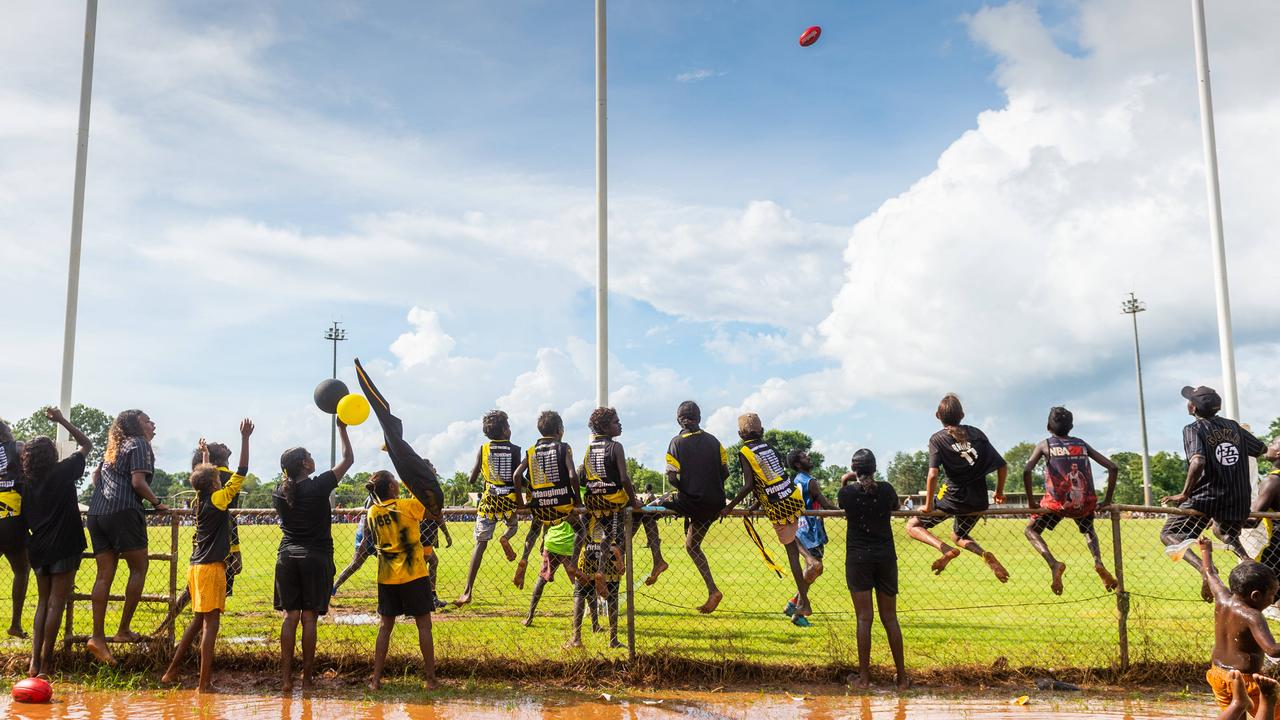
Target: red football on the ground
<point>32,690</point>
<point>810,36</point>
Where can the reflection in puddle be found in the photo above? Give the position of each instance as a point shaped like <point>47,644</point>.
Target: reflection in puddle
<point>173,705</point>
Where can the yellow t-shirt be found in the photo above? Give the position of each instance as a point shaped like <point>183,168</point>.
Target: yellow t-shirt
<point>394,524</point>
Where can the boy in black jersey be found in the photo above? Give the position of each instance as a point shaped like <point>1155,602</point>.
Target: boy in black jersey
<point>697,467</point>
<point>207,577</point>
<point>496,462</point>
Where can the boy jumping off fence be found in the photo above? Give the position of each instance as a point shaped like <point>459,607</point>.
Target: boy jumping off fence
<point>1068,486</point>
<point>967,457</point>
<point>496,463</point>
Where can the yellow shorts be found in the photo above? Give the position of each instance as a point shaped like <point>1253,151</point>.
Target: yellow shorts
<point>208,585</point>
<point>1219,680</point>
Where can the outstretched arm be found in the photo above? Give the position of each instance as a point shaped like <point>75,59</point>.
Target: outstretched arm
<point>1210,571</point>
<point>815,492</point>
<point>348,457</point>
<point>930,490</point>
<point>748,483</point>
<point>86,445</point>
<point>1195,470</point>
<point>222,497</point>
<point>1002,476</point>
<point>1112,472</point>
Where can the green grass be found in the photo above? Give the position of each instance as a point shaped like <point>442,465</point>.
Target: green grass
<point>964,617</point>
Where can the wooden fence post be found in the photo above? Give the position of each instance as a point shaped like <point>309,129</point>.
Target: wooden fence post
<point>1122,596</point>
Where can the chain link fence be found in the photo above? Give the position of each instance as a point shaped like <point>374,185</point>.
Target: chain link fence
<point>964,617</point>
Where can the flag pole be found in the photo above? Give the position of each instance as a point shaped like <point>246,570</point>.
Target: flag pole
<point>1226,346</point>
<point>602,216</point>
<point>77,216</point>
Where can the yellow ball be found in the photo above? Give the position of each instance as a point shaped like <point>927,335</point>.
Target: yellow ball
<point>353,409</point>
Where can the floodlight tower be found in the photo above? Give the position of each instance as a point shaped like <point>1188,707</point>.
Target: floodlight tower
<point>335,335</point>
<point>1132,307</point>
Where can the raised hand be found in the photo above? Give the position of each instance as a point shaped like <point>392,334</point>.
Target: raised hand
<point>55,415</point>
<point>246,427</point>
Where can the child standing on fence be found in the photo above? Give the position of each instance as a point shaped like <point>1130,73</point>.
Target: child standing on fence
<point>1240,634</point>
<point>697,466</point>
<point>1218,483</point>
<point>608,490</point>
<point>304,561</point>
<point>812,534</point>
<point>1068,492</point>
<point>547,472</point>
<point>967,457</point>
<point>404,587</point>
<point>207,576</point>
<point>871,561</point>
<point>782,501</point>
<point>496,463</point>
<point>57,534</point>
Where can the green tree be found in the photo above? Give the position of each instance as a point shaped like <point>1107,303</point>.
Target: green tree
<point>94,422</point>
<point>1128,478</point>
<point>908,472</point>
<point>642,476</point>
<point>1272,433</point>
<point>1017,457</point>
<point>456,489</point>
<point>1168,474</point>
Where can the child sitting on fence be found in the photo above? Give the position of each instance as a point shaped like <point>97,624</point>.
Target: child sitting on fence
<point>1239,708</point>
<point>404,587</point>
<point>596,562</point>
<point>496,463</point>
<point>207,576</point>
<point>1240,634</point>
<point>812,534</point>
<point>871,561</point>
<point>547,472</point>
<point>1068,492</point>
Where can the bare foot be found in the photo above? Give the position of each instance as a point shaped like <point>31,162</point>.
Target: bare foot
<point>657,570</point>
<point>1206,593</point>
<point>209,689</point>
<point>713,601</point>
<point>575,644</point>
<point>859,681</point>
<point>308,683</point>
<point>614,644</point>
<point>99,651</point>
<point>1108,580</point>
<point>126,636</point>
<point>17,633</point>
<point>602,590</point>
<point>597,628</point>
<point>812,572</point>
<point>374,685</point>
<point>804,610</point>
<point>518,580</point>
<point>941,563</point>
<point>287,685</point>
<point>527,622</point>
<point>463,599</point>
<point>507,549</point>
<point>1001,574</point>
<point>1056,585</point>
<point>169,678</point>
<point>903,681</point>
<point>431,683</point>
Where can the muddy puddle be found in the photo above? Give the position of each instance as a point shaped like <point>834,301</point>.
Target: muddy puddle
<point>173,705</point>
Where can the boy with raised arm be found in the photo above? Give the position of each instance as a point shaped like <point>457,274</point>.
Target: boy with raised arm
<point>496,463</point>
<point>207,576</point>
<point>1068,492</point>
<point>1240,634</point>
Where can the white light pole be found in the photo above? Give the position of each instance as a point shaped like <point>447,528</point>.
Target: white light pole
<point>1132,307</point>
<point>602,215</point>
<point>1230,398</point>
<point>77,217</point>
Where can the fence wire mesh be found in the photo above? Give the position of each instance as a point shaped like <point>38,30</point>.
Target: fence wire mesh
<point>963,617</point>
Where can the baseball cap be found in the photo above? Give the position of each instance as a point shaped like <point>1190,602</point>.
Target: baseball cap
<point>1206,399</point>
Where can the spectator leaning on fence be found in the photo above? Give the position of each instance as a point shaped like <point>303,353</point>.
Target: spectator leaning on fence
<point>211,546</point>
<point>1218,479</point>
<point>13,529</point>
<point>812,534</point>
<point>967,457</point>
<point>117,528</point>
<point>1268,500</point>
<point>304,561</point>
<point>871,561</point>
<point>1068,492</point>
<point>57,534</point>
<point>496,463</point>
<point>697,467</point>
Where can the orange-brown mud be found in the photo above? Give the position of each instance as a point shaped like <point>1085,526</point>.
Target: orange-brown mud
<point>457,704</point>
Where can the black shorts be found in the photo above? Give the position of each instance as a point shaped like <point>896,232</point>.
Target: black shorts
<point>65,565</point>
<point>303,582</point>
<point>1049,521</point>
<point>588,589</point>
<point>13,534</point>
<point>1187,527</point>
<point>118,532</point>
<point>964,523</point>
<point>879,575</point>
<point>693,513</point>
<point>412,598</point>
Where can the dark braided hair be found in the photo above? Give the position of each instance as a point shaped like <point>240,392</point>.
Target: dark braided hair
<point>950,414</point>
<point>550,423</point>
<point>689,415</point>
<point>292,462</point>
<point>601,418</point>
<point>38,458</point>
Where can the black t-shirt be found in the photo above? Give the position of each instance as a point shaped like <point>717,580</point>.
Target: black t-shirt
<point>53,514</point>
<point>1223,493</point>
<point>306,523</point>
<point>966,465</point>
<point>212,540</point>
<point>869,537</point>
<point>701,463</point>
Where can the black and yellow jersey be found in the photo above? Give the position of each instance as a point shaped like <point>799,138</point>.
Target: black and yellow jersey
<point>10,481</point>
<point>498,461</point>
<point>397,536</point>
<point>550,494</point>
<point>602,483</point>
<point>779,496</point>
<point>212,542</point>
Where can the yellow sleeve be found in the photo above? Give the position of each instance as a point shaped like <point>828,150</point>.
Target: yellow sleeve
<point>223,497</point>
<point>413,509</point>
<point>673,465</point>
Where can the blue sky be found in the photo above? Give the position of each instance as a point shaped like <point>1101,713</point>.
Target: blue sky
<point>937,196</point>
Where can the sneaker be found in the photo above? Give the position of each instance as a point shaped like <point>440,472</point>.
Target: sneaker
<point>790,609</point>
<point>800,621</point>
<point>1177,550</point>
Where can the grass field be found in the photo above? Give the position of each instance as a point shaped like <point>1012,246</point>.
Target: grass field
<point>964,617</point>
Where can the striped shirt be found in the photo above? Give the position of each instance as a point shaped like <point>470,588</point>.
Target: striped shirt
<point>114,490</point>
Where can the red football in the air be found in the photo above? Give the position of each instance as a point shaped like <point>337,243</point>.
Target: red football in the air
<point>810,36</point>
<point>32,690</point>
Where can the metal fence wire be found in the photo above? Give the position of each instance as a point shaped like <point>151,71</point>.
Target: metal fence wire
<point>963,617</point>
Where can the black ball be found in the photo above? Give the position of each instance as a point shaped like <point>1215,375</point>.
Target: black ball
<point>328,393</point>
